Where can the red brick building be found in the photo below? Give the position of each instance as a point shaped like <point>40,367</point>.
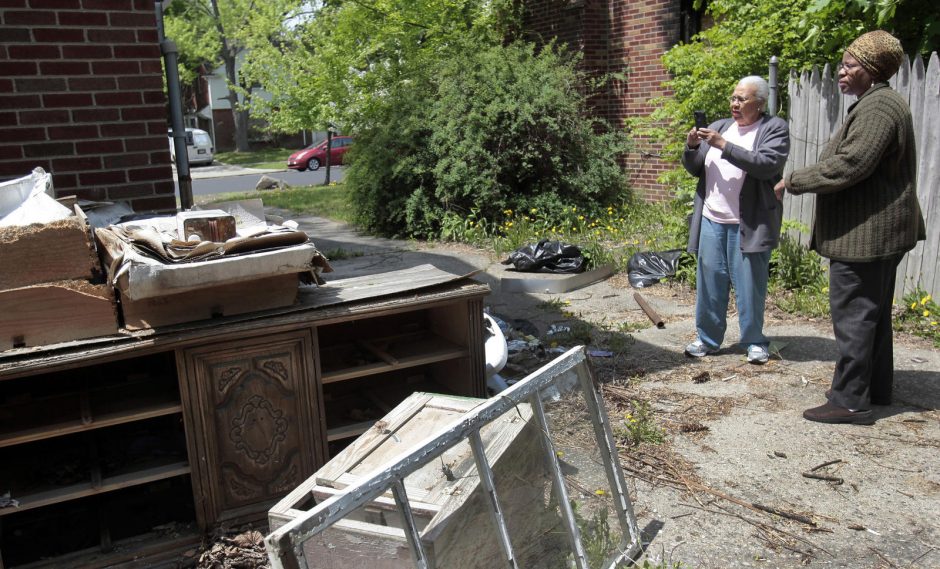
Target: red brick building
<point>626,37</point>
<point>81,95</point>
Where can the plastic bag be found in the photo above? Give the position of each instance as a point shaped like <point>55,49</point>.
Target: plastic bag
<point>548,256</point>
<point>645,269</point>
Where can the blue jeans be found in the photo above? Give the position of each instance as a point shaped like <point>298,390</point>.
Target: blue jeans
<point>721,264</point>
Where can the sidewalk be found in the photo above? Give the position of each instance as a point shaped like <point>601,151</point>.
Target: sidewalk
<point>217,170</point>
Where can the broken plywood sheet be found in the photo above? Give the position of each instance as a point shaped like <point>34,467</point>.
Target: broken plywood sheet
<point>50,313</point>
<point>448,500</point>
<point>46,252</point>
<point>377,285</point>
<point>202,304</point>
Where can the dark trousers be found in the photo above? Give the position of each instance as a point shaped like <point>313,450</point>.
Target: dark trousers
<point>860,297</point>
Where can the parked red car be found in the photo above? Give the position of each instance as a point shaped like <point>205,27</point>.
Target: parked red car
<point>314,156</point>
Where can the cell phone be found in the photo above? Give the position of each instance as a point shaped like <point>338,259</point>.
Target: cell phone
<point>700,120</point>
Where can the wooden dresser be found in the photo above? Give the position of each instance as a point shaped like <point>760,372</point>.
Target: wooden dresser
<point>127,449</point>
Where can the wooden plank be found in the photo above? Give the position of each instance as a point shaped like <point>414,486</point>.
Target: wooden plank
<point>901,82</point>
<point>378,285</point>
<point>109,484</point>
<point>41,253</point>
<point>929,191</point>
<point>426,351</point>
<point>57,429</point>
<point>50,313</point>
<point>348,431</point>
<point>210,303</point>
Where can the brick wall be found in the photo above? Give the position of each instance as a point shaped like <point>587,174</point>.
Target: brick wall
<point>618,36</point>
<point>81,95</point>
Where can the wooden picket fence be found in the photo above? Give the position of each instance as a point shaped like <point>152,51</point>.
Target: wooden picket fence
<point>817,110</point>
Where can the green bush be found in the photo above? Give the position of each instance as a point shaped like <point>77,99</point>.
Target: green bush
<point>490,130</point>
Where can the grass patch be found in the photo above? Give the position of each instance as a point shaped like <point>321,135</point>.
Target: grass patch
<point>340,254</point>
<point>265,158</point>
<point>331,202</point>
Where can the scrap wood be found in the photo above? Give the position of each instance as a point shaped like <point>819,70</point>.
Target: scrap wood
<point>770,533</point>
<point>691,485</point>
<point>834,479</point>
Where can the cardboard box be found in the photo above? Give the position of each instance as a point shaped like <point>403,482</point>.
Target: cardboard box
<point>154,293</point>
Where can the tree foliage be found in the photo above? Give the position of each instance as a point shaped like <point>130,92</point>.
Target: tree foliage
<point>337,61</point>
<point>801,33</point>
<point>218,33</point>
<point>487,130</point>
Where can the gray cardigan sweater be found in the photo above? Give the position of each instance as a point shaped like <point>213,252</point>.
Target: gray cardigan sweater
<point>761,211</point>
<point>865,183</point>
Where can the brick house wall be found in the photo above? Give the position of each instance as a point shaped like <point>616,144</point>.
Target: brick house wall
<point>81,95</point>
<point>618,36</point>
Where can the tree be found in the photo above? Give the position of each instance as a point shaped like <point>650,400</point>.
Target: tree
<point>338,60</point>
<point>485,129</point>
<point>217,32</point>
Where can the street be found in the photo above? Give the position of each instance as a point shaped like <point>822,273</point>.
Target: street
<point>219,178</point>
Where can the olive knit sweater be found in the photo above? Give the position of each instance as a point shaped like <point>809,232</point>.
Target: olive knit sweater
<point>865,181</point>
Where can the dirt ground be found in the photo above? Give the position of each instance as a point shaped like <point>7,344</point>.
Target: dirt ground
<point>741,480</point>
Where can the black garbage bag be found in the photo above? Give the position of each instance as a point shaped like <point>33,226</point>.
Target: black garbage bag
<point>645,269</point>
<point>548,256</point>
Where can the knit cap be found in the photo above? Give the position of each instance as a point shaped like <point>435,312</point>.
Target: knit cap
<point>878,52</point>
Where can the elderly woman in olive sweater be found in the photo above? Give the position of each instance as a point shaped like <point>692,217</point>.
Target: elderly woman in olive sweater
<point>867,218</point>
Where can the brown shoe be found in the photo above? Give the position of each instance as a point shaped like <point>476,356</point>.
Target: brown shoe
<point>829,413</point>
<point>874,401</point>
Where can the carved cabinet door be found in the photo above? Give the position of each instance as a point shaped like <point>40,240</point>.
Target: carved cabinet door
<point>252,415</point>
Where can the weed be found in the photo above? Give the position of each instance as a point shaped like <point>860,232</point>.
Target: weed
<point>579,333</point>
<point>340,253</point>
<point>597,538</point>
<point>638,426</point>
<point>553,305</point>
<point>628,327</point>
<point>919,315</point>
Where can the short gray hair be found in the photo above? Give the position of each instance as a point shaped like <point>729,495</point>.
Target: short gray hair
<point>761,88</point>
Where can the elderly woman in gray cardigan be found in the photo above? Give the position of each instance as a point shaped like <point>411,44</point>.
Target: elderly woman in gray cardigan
<point>867,217</point>
<point>737,217</point>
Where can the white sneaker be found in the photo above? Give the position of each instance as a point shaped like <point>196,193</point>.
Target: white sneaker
<point>757,354</point>
<point>697,349</point>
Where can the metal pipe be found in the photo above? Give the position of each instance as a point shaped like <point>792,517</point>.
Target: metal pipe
<point>170,61</point>
<point>772,103</point>
<point>652,314</point>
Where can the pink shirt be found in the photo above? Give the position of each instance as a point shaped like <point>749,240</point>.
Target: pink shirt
<point>723,180</point>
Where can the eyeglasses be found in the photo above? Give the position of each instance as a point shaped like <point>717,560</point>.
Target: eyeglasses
<point>737,99</point>
<point>849,67</point>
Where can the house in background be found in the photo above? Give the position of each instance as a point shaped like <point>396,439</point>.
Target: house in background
<point>626,37</point>
<point>212,112</point>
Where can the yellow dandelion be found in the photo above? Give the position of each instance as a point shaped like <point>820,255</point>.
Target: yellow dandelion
<point>599,492</point>
<point>934,323</point>
<point>925,300</point>
<point>913,305</point>
<point>580,218</point>
<point>534,210</point>
<point>559,453</point>
<point>926,313</point>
